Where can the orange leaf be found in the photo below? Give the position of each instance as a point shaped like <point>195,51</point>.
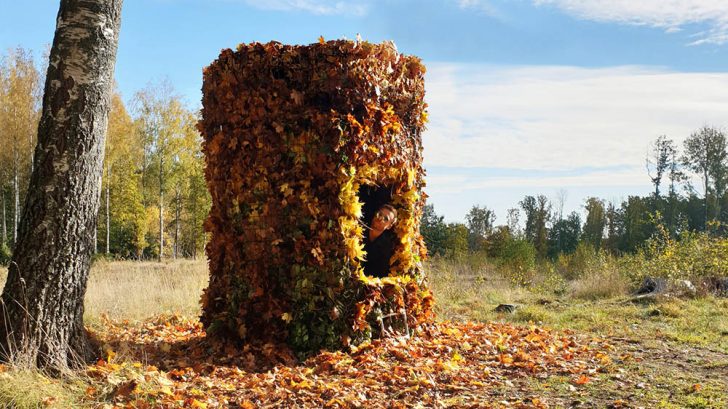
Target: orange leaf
<point>583,379</point>
<point>506,359</point>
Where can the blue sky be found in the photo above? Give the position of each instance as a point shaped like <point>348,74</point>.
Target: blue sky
<point>554,97</point>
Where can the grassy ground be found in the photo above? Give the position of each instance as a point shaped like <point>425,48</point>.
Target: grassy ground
<point>670,352</point>
<point>667,352</point>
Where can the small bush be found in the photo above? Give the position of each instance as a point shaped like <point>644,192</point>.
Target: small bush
<point>517,259</point>
<point>584,260</point>
<point>548,281</point>
<point>693,256</point>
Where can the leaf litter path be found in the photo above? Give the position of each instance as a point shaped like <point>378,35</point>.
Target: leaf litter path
<point>168,362</point>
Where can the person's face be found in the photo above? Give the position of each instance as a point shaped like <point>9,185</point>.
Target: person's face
<point>383,219</point>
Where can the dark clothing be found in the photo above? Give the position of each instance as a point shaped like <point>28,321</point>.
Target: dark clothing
<point>378,253</point>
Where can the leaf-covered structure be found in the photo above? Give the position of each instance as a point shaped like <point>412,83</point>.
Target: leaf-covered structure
<point>300,142</point>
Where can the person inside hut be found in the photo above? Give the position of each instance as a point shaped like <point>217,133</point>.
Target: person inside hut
<point>379,242</point>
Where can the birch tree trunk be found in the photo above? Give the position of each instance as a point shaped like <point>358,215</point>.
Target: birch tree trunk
<point>42,302</point>
<point>5,226</point>
<point>178,201</point>
<point>31,145</point>
<point>161,208</point>
<point>194,230</point>
<point>108,219</point>
<point>705,200</point>
<point>16,196</point>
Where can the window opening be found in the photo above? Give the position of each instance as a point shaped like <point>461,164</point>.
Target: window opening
<point>378,251</point>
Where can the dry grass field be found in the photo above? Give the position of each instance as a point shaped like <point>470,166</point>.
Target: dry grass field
<point>141,290</point>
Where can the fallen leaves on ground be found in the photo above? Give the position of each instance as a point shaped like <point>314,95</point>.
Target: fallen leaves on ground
<point>168,362</point>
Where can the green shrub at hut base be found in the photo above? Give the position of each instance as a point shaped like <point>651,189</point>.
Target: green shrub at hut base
<point>301,143</point>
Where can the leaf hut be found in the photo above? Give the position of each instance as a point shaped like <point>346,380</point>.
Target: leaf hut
<point>300,142</point>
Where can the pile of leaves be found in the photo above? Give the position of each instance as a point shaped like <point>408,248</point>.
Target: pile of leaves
<point>451,364</point>
<point>291,136</point>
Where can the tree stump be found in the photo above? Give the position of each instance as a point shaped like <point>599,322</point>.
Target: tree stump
<point>302,145</point>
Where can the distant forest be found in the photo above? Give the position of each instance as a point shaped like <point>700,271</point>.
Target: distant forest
<point>674,208</point>
<point>154,200</point>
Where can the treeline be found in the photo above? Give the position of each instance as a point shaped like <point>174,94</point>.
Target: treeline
<point>537,229</point>
<point>154,199</point>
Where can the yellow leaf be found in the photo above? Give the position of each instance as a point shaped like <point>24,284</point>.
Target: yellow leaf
<point>304,384</point>
<point>198,405</point>
<point>353,208</point>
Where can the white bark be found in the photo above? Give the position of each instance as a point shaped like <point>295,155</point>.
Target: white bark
<point>16,197</point>
<point>5,226</point>
<point>42,302</point>
<point>108,217</point>
<point>178,201</point>
<point>161,207</point>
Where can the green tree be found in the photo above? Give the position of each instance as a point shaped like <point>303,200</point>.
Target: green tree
<point>613,218</point>
<point>662,154</point>
<point>517,254</point>
<point>513,216</point>
<point>705,155</point>
<point>479,221</point>
<point>596,221</point>
<point>634,225</point>
<point>564,235</point>
<point>434,231</point>
<point>457,239</point>
<point>538,212</point>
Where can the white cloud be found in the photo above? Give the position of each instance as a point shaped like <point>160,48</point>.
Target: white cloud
<point>560,117</point>
<point>555,127</point>
<point>478,5</point>
<point>456,182</point>
<point>668,14</point>
<point>323,7</point>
